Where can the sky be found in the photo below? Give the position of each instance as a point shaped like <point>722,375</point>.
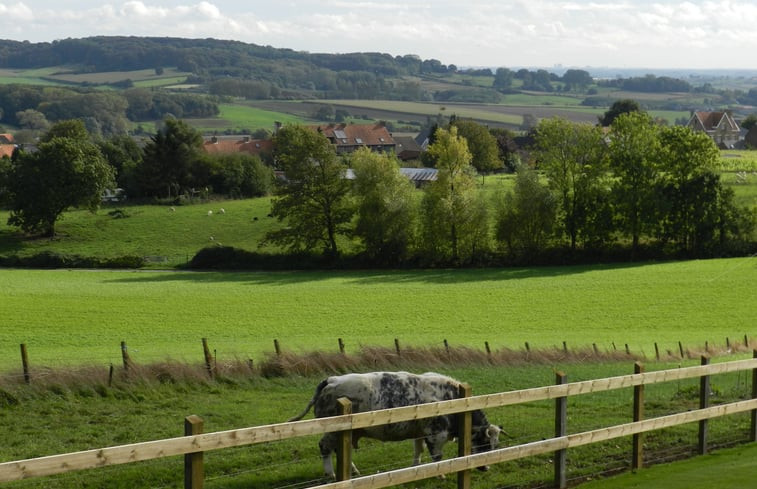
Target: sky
<point>712,34</point>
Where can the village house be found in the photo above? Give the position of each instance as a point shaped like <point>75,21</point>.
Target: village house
<point>347,138</point>
<point>217,145</point>
<point>7,145</point>
<point>720,126</point>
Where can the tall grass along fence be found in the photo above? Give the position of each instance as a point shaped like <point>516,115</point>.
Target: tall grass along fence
<point>195,443</point>
<point>281,362</point>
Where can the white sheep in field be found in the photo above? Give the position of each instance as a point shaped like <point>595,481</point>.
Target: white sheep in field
<point>210,213</point>
<point>222,211</point>
<point>173,209</point>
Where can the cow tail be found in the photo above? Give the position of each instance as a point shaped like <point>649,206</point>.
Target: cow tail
<point>310,404</point>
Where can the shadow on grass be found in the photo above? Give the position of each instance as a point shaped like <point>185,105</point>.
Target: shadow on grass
<point>370,277</point>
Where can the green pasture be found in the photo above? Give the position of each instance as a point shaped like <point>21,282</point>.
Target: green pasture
<point>738,160</point>
<point>78,316</point>
<point>167,237</point>
<point>58,415</point>
<point>533,98</point>
<point>241,116</point>
<point>729,468</point>
<point>244,117</point>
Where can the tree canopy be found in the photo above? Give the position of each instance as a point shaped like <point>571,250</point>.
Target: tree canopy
<point>313,198</point>
<point>66,171</point>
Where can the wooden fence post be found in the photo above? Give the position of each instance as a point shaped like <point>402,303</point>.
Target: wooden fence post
<point>277,347</point>
<point>637,456</point>
<point>656,351</point>
<point>344,444</point>
<point>25,363</point>
<point>208,357</point>
<point>446,346</point>
<point>561,429</point>
<point>465,438</point>
<point>125,356</point>
<point>341,345</point>
<point>753,428</point>
<point>194,471</point>
<point>397,346</point>
<point>488,349</point>
<point>704,402</point>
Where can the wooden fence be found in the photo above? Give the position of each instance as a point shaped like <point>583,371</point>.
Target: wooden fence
<point>194,443</point>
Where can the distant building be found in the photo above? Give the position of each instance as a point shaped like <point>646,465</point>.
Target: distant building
<point>407,148</point>
<point>229,145</point>
<point>419,176</point>
<point>347,138</point>
<point>720,126</point>
<point>7,145</point>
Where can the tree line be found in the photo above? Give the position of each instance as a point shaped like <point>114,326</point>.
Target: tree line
<point>105,113</point>
<point>639,190</point>
<point>583,192</point>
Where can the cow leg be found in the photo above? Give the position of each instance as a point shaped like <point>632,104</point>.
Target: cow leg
<point>418,451</point>
<point>327,445</point>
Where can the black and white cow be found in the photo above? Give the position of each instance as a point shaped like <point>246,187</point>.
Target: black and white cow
<point>384,390</point>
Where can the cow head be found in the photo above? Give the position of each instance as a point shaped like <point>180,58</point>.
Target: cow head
<point>485,438</point>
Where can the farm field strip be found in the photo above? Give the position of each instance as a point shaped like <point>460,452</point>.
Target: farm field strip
<point>75,316</point>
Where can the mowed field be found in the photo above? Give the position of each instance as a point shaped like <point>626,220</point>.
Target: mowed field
<point>79,317</point>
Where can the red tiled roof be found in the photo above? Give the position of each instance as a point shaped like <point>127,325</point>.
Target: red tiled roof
<point>7,138</point>
<point>711,120</point>
<point>7,150</point>
<point>230,146</point>
<point>357,134</point>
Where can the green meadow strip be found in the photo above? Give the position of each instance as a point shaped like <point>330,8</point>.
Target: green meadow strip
<point>70,317</point>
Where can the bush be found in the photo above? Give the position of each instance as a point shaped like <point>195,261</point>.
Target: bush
<point>51,259</point>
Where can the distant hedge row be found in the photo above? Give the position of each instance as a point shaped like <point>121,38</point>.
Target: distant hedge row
<point>50,259</point>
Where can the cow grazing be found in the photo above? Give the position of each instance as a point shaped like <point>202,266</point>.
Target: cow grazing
<point>384,390</point>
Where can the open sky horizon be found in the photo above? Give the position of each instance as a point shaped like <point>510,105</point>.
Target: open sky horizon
<point>655,34</point>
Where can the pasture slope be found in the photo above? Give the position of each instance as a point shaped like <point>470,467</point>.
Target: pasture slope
<point>70,317</point>
<point>733,468</point>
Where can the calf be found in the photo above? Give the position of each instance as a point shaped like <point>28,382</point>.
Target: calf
<point>384,390</point>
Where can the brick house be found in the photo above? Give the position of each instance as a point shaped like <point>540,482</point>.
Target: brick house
<point>229,145</point>
<point>720,126</point>
<point>347,138</point>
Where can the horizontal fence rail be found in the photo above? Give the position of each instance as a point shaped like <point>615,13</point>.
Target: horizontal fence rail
<point>57,464</point>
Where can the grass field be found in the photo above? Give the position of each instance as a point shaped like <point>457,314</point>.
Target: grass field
<point>167,237</point>
<point>52,416</point>
<point>75,316</point>
<point>732,468</point>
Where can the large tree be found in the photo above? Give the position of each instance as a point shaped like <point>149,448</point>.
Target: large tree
<point>525,215</point>
<point>481,144</point>
<point>386,207</point>
<point>313,198</point>
<point>688,161</point>
<point>574,160</point>
<point>634,157</point>
<point>171,159</point>
<point>455,224</point>
<point>618,107</point>
<point>65,172</point>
